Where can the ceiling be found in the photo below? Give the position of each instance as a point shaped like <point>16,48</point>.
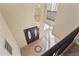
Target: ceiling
<point>18,17</point>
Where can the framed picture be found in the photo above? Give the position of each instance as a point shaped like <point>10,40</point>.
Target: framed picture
<point>8,47</point>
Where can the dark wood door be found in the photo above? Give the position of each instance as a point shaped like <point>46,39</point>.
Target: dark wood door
<point>31,34</point>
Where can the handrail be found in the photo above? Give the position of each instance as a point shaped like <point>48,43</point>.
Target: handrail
<point>62,45</point>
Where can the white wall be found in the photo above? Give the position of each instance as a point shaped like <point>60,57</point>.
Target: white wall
<point>5,34</point>
<point>65,21</point>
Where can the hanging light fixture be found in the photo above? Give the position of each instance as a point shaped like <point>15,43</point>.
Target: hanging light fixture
<point>38,12</point>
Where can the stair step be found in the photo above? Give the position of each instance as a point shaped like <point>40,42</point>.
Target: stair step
<point>73,50</point>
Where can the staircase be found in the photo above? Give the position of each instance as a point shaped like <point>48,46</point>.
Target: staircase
<point>61,46</point>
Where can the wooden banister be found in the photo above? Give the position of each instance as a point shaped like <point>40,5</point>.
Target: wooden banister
<point>62,45</point>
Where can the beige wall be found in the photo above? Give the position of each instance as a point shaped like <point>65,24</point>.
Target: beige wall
<point>20,17</point>
<point>77,18</point>
<point>65,21</point>
<point>5,34</point>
